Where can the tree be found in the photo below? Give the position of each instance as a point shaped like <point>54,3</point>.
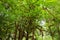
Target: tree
<point>22,18</point>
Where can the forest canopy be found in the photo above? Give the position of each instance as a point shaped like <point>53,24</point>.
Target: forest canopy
<point>29,19</point>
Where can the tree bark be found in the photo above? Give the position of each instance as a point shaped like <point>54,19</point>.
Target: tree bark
<point>33,35</point>
<point>16,28</point>
<point>52,38</point>
<point>27,37</point>
<point>8,37</point>
<point>21,34</point>
<point>58,31</point>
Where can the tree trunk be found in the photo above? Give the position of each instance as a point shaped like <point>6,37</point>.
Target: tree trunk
<point>52,38</point>
<point>0,38</point>
<point>58,30</point>
<point>33,35</point>
<point>41,30</point>
<point>51,33</point>
<point>8,37</point>
<point>20,34</point>
<point>16,28</point>
<point>27,37</point>
<point>42,35</point>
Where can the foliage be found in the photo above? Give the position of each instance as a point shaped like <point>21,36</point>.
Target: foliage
<point>29,19</point>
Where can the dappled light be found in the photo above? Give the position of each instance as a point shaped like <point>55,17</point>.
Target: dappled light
<point>29,19</point>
